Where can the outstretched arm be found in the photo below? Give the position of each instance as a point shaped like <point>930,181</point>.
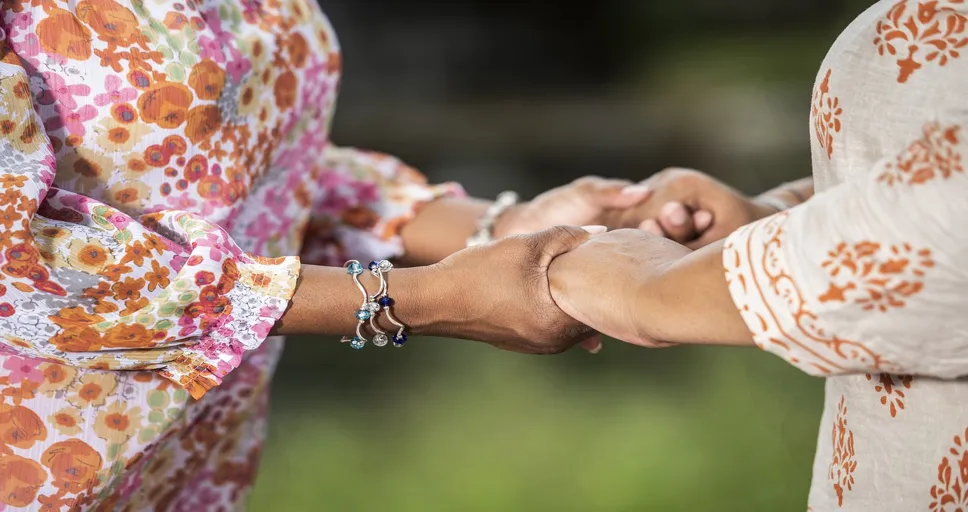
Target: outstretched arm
<point>866,277</point>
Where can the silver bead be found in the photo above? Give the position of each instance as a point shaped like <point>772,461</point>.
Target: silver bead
<point>385,266</point>
<point>381,340</point>
<point>372,307</point>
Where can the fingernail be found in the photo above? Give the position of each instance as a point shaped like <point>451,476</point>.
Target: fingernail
<point>596,349</point>
<point>652,227</point>
<point>634,190</point>
<point>675,213</point>
<point>702,219</point>
<point>595,229</point>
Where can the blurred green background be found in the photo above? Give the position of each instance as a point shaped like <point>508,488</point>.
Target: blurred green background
<point>527,96</point>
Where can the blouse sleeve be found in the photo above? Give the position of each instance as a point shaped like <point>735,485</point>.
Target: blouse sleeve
<point>871,275</point>
<point>366,201</point>
<point>85,284</point>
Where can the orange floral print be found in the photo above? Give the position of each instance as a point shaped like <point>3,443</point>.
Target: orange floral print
<point>927,31</point>
<point>189,153</point>
<point>67,421</point>
<point>60,33</point>
<point>950,493</point>
<point>825,113</point>
<point>20,479</point>
<point>20,427</point>
<point>889,386</point>
<point>933,156</point>
<point>844,462</point>
<point>73,464</point>
<point>875,276</point>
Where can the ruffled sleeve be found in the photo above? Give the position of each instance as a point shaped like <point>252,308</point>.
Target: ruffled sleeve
<point>368,197</point>
<point>85,284</point>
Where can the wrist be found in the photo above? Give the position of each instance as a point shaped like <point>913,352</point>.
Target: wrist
<point>421,299</point>
<point>688,302</point>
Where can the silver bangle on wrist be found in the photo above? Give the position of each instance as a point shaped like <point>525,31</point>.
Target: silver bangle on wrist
<point>485,225</point>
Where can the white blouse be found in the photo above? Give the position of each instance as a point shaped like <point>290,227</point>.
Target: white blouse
<point>866,284</point>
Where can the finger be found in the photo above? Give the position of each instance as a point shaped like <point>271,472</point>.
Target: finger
<point>593,345</point>
<point>652,227</point>
<point>677,222</point>
<point>702,220</point>
<point>611,193</point>
<point>558,240</point>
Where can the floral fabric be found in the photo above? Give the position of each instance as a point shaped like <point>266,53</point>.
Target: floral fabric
<point>161,164</point>
<point>865,284</point>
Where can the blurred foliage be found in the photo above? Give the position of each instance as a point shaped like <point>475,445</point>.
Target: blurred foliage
<point>444,425</point>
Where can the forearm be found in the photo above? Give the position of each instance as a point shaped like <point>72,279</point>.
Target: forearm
<point>789,194</point>
<point>440,229</point>
<point>326,300</point>
<point>689,303</point>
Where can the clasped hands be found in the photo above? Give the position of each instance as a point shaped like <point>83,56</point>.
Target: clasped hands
<point>544,287</point>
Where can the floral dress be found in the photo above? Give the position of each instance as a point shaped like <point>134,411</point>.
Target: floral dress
<point>161,164</point>
<point>866,284</point>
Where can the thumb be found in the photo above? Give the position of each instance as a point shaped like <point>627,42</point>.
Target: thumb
<point>558,240</point>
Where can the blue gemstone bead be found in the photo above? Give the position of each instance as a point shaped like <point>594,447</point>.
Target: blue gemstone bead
<point>362,315</point>
<point>357,342</point>
<point>354,269</point>
<point>399,339</point>
<point>374,265</point>
<point>386,301</point>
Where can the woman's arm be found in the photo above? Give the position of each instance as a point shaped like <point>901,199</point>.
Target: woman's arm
<point>496,293</point>
<point>867,277</point>
<point>442,227</point>
<point>378,207</point>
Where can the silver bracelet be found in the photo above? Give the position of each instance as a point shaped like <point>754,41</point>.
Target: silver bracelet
<point>366,311</point>
<point>385,303</point>
<point>485,225</point>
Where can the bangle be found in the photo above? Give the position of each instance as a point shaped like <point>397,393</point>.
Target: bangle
<point>385,302</point>
<point>366,311</point>
<point>485,225</point>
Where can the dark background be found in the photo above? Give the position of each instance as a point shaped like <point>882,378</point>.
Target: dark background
<point>529,95</point>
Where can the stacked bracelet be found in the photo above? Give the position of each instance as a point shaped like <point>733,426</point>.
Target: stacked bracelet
<point>372,305</point>
<point>485,225</point>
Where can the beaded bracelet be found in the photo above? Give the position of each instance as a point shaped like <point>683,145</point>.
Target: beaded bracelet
<point>366,311</point>
<point>385,302</point>
<point>485,225</point>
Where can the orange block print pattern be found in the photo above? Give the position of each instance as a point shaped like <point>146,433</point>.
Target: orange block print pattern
<point>844,461</point>
<point>891,389</point>
<point>826,113</point>
<point>924,32</point>
<point>875,276</point>
<point>933,156</point>
<point>950,494</point>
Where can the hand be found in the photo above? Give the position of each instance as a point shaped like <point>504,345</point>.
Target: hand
<point>599,282</point>
<point>583,202</point>
<point>689,207</point>
<point>498,293</point>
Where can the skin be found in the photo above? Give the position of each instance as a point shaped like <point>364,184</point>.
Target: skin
<point>658,305</point>
<point>648,291</point>
<point>511,306</point>
<point>695,209</point>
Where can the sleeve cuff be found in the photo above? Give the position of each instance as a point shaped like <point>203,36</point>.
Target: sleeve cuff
<point>256,301</point>
<point>767,286</point>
